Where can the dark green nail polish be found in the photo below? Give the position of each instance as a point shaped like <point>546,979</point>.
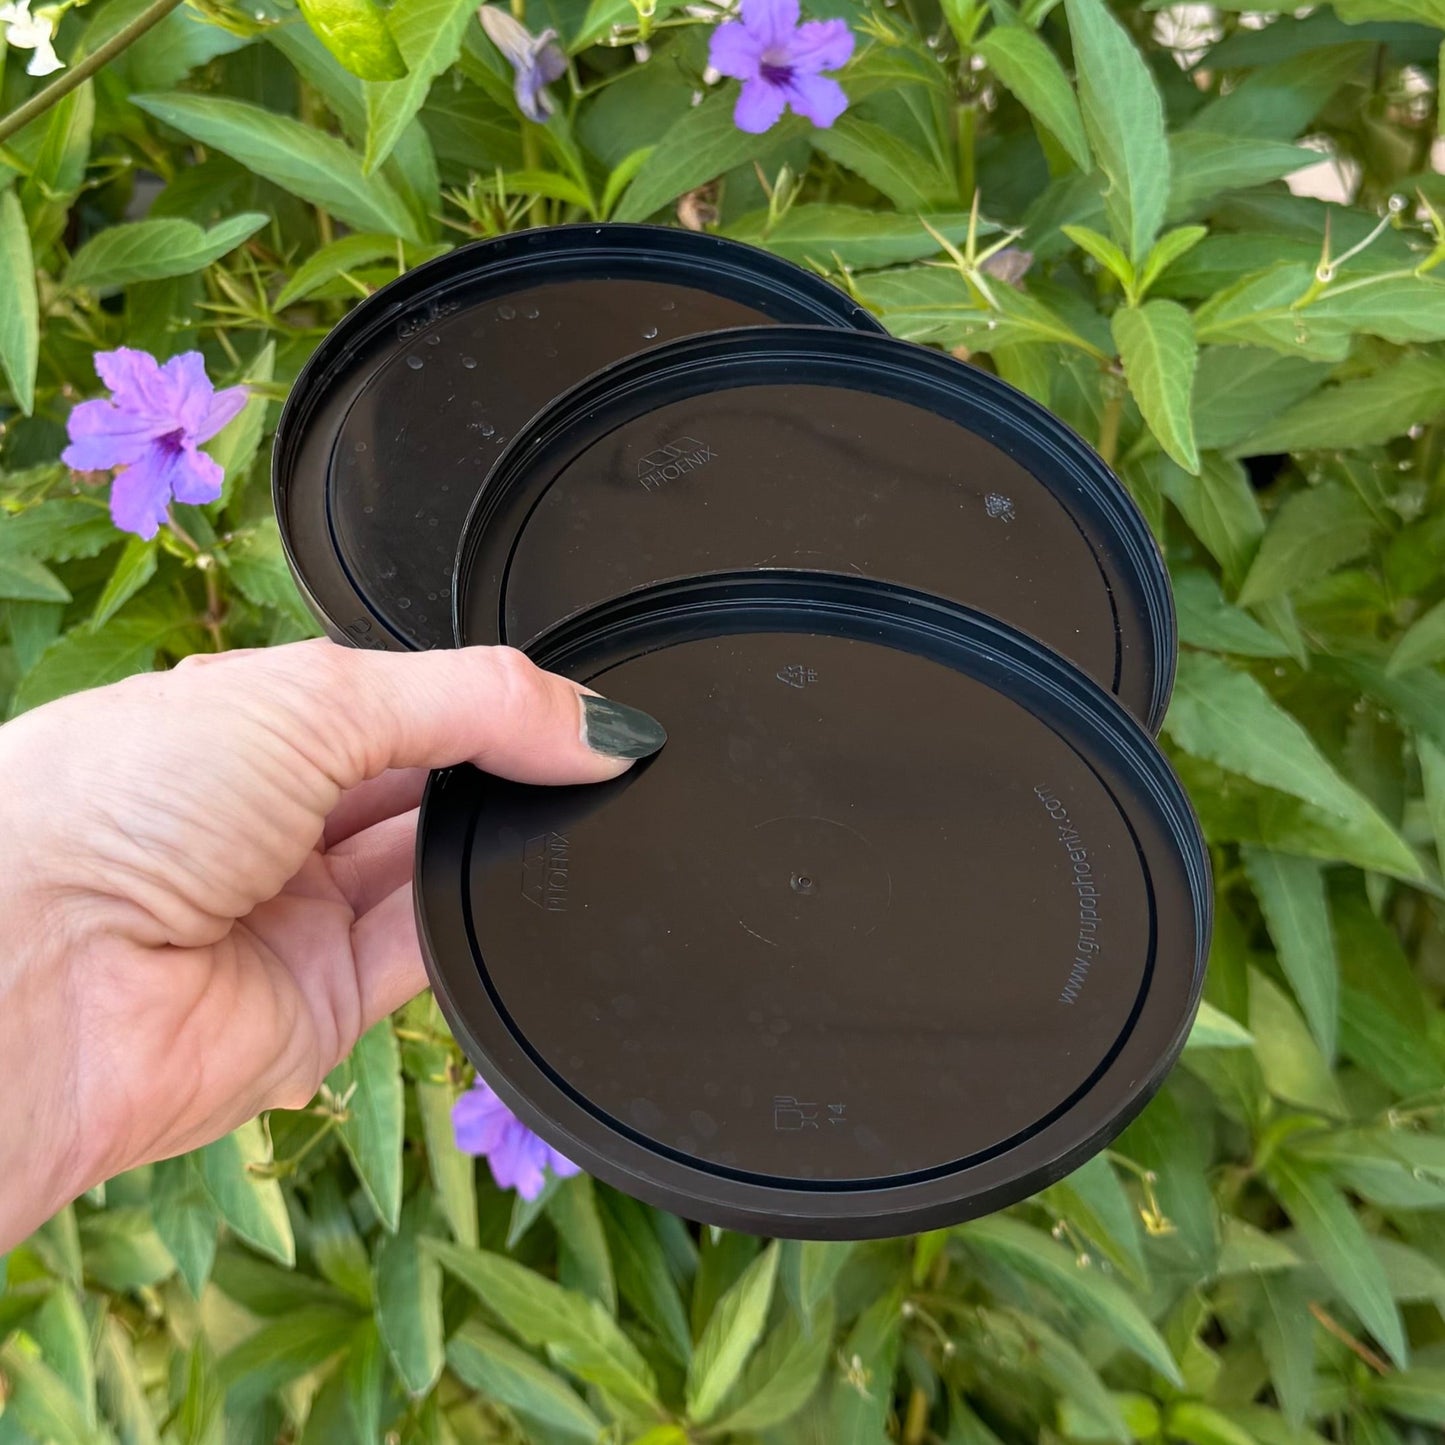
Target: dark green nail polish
<point>618,731</point>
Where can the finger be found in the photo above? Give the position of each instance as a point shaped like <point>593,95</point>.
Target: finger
<point>359,713</point>
<point>394,792</point>
<point>389,970</point>
<point>374,862</point>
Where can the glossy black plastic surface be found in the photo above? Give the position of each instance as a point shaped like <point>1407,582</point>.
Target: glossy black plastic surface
<point>840,451</point>
<point>399,415</point>
<point>907,919</point>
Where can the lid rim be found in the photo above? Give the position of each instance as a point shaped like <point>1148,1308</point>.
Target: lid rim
<point>339,601</point>
<point>854,1209</point>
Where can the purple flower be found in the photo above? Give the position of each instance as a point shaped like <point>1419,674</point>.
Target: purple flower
<point>150,431</point>
<point>780,63</point>
<point>483,1124</point>
<point>537,59</point>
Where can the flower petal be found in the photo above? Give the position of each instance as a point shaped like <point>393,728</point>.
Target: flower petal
<point>196,478</point>
<point>137,385</point>
<point>772,21</point>
<point>816,97</point>
<point>820,45</point>
<point>141,493</point>
<point>560,1165</point>
<point>45,61</point>
<point>223,407</point>
<point>518,1162</point>
<point>103,436</point>
<point>760,106</point>
<point>735,51</point>
<point>189,391</point>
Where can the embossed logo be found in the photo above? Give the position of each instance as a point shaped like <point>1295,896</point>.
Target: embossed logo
<point>795,674</point>
<point>999,507</point>
<point>545,863</point>
<point>668,463</point>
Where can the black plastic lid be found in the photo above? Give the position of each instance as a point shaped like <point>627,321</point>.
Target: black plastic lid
<point>834,450</point>
<point>396,419</point>
<point>906,921</point>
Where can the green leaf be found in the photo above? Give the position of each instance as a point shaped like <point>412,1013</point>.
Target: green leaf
<point>19,309</point>
<point>1363,412</point>
<point>1220,508</point>
<point>1417,1395</point>
<point>334,260</point>
<point>1240,390</point>
<point>782,1375</point>
<point>256,562</point>
<point>502,1372</point>
<point>1027,67</point>
<point>365,1378</point>
<point>1432,773</point>
<point>318,168</point>
<point>825,234</point>
<point>59,170</point>
<point>282,1350</point>
<point>135,566</point>
<point>1291,893</point>
<point>90,657</point>
<point>703,144</point>
<point>1096,1204</point>
<point>355,32</point>
<point>1124,119</point>
<point>643,1277</point>
<point>39,1401</point>
<point>1104,251</point>
<point>1207,620</point>
<point>1286,1335</point>
<point>1156,344</point>
<point>199,1415</point>
<point>578,1333</point>
<point>860,1398</point>
<point>1293,1066</point>
<point>335,1242</point>
<point>186,1219</point>
<point>1215,1029</point>
<point>1200,1424</point>
<point>1422,643</point>
<point>59,1327</point>
<point>1202,164</point>
<point>428,34</point>
<point>1260,310</point>
<point>1313,532</point>
<point>1032,1254</point>
<point>888,157</point>
<point>1224,715</point>
<point>153,250</point>
<point>1167,250</point>
<point>60,530</point>
<point>453,1174</point>
<point>1340,1246</point>
<point>370,1080</point>
<point>251,1204</point>
<point>122,1391</point>
<point>409,1301</point>
<point>732,1331</point>
<point>585,1263</point>
<point>23,579</point>
<point>1162,1141</point>
<point>809,1268</point>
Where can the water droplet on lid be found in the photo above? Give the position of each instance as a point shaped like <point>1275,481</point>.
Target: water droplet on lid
<point>361,446</point>
<point>648,332</point>
<point>669,306</point>
<point>415,362</point>
<point>403,602</point>
<point>531,313</point>
<point>470,362</point>
<point>433,340</point>
<point>431,597</point>
<point>368,510</point>
<point>507,313</point>
<point>432,521</point>
<point>488,429</point>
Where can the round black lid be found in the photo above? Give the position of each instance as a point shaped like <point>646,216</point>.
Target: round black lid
<point>828,450</point>
<point>906,920</point>
<point>401,411</point>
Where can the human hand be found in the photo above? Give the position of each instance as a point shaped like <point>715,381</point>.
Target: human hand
<point>205,884</point>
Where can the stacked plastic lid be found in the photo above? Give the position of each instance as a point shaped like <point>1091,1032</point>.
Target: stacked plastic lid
<point>909,917</point>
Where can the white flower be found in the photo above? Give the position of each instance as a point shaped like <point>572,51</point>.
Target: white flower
<point>31,32</point>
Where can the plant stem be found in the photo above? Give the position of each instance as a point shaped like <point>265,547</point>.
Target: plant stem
<point>1113,415</point>
<point>82,70</point>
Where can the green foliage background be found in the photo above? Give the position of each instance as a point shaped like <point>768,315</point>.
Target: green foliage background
<point>1261,1258</point>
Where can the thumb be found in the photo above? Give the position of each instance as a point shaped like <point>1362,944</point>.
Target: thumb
<point>370,712</point>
